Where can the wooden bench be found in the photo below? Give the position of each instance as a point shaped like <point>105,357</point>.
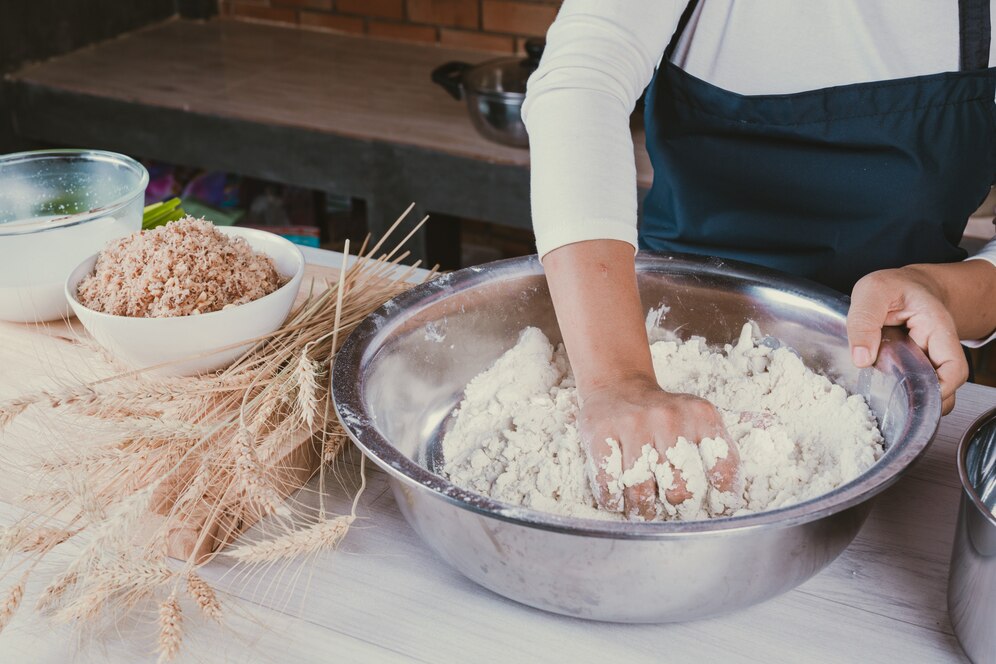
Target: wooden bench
<point>347,115</point>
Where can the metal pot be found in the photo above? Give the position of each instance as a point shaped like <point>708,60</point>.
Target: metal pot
<point>404,369</point>
<point>494,92</point>
<point>972,580</point>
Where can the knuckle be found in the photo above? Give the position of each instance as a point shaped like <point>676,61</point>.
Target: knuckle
<point>703,408</point>
<point>875,281</point>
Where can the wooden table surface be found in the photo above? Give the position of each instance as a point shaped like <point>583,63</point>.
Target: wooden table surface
<point>342,114</point>
<point>384,596</point>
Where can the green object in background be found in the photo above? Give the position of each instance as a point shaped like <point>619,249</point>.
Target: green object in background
<point>160,214</point>
<point>218,217</point>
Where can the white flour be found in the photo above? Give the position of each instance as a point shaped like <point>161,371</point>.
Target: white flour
<point>514,437</point>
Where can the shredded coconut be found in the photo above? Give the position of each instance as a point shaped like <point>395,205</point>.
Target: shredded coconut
<point>514,437</point>
<point>185,267</point>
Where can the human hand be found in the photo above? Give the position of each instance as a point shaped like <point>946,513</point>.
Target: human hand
<point>907,296</point>
<point>635,412</point>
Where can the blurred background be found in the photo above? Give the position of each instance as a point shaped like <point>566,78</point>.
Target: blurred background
<point>318,119</point>
<point>310,115</point>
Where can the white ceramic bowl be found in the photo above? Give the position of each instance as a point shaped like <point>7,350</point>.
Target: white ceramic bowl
<point>56,208</point>
<point>149,342</point>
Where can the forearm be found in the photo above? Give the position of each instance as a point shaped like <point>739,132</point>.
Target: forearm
<point>599,57</point>
<point>594,290</point>
<point>968,291</point>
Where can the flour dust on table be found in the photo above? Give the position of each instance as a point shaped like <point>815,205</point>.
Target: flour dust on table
<point>515,437</point>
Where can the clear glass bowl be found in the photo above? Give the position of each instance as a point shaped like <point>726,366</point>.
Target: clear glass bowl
<point>56,208</point>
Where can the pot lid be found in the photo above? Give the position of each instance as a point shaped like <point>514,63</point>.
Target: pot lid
<point>505,76</point>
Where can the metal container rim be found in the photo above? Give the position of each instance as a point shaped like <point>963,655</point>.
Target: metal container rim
<point>93,213</point>
<point>966,441</point>
<point>363,344</point>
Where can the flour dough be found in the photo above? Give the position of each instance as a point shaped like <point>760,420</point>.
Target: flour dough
<point>514,437</point>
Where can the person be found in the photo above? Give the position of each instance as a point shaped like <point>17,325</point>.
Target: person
<point>846,141</point>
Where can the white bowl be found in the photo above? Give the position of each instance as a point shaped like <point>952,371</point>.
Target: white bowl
<point>148,342</point>
<point>56,208</point>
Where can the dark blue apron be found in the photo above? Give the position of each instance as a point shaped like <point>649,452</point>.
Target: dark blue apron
<point>829,184</point>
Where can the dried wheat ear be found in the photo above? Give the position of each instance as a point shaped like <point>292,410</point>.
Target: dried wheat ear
<point>203,453</point>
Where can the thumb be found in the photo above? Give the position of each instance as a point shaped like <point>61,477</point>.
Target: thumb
<point>870,305</point>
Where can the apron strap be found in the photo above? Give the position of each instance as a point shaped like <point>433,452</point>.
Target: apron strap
<point>975,33</point>
<point>682,23</point>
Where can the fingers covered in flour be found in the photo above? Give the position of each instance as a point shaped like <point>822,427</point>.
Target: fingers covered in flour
<point>639,480</point>
<point>654,454</point>
<point>605,464</point>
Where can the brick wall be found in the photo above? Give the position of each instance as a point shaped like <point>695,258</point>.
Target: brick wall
<point>500,26</point>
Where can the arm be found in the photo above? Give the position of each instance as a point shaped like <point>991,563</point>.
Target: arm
<point>593,285</point>
<point>598,59</point>
<point>594,290</point>
<point>968,290</point>
<point>939,304</point>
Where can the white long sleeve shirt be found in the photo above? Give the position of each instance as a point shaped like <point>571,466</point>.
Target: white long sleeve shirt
<point>601,54</point>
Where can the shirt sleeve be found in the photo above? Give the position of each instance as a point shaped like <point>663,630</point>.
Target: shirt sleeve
<point>599,57</point>
<point>988,253</point>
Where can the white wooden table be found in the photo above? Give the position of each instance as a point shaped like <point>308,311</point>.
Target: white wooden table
<point>384,596</point>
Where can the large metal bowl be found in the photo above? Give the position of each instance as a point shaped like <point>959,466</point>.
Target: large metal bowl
<point>402,372</point>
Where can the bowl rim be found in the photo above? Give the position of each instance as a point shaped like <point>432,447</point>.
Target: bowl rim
<point>78,218</point>
<point>360,348</point>
<point>72,282</point>
<point>968,488</point>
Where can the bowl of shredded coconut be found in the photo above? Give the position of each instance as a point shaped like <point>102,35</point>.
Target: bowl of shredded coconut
<point>187,297</point>
<point>461,390</point>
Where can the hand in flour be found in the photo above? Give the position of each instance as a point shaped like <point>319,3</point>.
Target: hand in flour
<point>594,290</point>
<point>636,412</point>
<point>938,304</point>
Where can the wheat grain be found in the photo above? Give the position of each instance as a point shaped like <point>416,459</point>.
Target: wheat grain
<point>55,590</point>
<point>306,378</point>
<point>170,629</point>
<point>10,538</point>
<point>269,407</point>
<point>135,574</point>
<point>122,579</point>
<point>251,476</point>
<point>85,607</point>
<point>321,536</point>
<point>78,395</point>
<point>41,540</point>
<point>332,444</point>
<point>12,602</point>
<point>10,410</point>
<point>203,594</point>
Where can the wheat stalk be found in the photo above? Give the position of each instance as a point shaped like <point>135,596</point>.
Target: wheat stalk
<point>306,379</point>
<point>321,536</point>
<point>12,602</point>
<point>21,539</point>
<point>251,475</point>
<point>203,594</point>
<point>201,451</point>
<point>55,590</point>
<point>170,629</point>
<point>10,410</point>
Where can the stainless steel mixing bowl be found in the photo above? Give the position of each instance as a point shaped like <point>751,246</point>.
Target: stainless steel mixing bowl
<point>972,579</point>
<point>401,373</point>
